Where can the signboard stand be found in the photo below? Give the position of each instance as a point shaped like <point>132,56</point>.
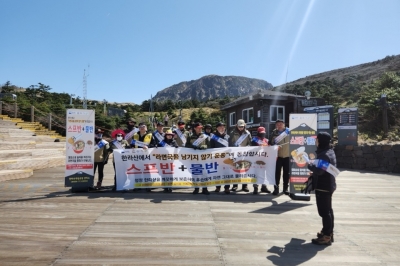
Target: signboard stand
<point>347,126</point>
<point>79,159</point>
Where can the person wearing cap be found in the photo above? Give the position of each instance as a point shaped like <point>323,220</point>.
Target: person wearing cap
<point>130,125</point>
<point>142,138</point>
<point>324,188</point>
<point>100,157</point>
<point>158,136</point>
<point>169,142</point>
<point>283,160</point>
<point>260,140</point>
<point>221,140</point>
<point>118,143</point>
<point>204,143</point>
<point>208,129</point>
<point>181,134</point>
<point>240,137</point>
<point>166,118</point>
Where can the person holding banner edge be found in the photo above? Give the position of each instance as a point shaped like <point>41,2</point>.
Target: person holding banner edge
<point>198,140</point>
<point>118,143</point>
<point>323,177</point>
<point>240,137</point>
<point>158,136</point>
<point>181,135</point>
<point>280,136</point>
<point>260,140</point>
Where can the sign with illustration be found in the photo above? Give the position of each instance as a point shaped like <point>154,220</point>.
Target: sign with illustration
<point>347,126</point>
<point>183,167</point>
<point>79,148</point>
<point>302,147</point>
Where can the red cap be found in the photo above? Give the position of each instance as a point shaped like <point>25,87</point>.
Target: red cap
<point>261,130</point>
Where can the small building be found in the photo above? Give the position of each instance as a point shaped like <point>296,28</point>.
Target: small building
<point>265,107</point>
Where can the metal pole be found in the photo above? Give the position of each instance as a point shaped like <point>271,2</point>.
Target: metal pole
<point>384,115</point>
<point>32,113</point>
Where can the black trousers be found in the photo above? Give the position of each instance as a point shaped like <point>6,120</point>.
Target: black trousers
<point>115,176</point>
<point>324,206</point>
<point>101,170</point>
<point>285,164</point>
<point>226,187</point>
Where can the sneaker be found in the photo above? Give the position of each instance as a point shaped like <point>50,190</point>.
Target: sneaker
<point>217,190</point>
<point>234,188</point>
<point>170,190</point>
<point>114,188</point>
<point>324,240</point>
<point>148,189</point>
<point>205,191</point>
<point>98,185</point>
<point>319,234</point>
<point>255,191</point>
<point>196,191</point>
<point>286,192</point>
<point>166,190</point>
<point>276,190</point>
<point>265,189</point>
<point>227,191</point>
<point>245,189</point>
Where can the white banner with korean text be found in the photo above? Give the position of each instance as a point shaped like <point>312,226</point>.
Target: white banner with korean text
<point>185,168</point>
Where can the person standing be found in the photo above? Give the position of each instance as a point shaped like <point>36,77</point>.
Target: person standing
<point>220,140</point>
<point>260,140</point>
<point>240,137</point>
<point>325,186</point>
<point>141,139</point>
<point>198,140</point>
<point>280,136</point>
<point>208,129</point>
<point>100,155</point>
<point>166,118</point>
<point>130,129</point>
<point>181,135</point>
<point>118,143</point>
<point>169,142</point>
<point>158,136</point>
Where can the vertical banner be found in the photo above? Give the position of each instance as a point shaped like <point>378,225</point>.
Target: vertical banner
<point>79,148</point>
<point>347,126</point>
<point>325,117</point>
<point>303,133</point>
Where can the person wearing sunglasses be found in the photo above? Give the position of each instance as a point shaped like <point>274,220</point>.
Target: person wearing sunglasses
<point>118,143</point>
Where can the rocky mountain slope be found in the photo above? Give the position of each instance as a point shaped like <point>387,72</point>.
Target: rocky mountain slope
<point>211,87</point>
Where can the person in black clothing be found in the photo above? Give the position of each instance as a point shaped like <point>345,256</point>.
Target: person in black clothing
<point>158,136</point>
<point>208,129</point>
<point>220,141</point>
<point>325,185</point>
<point>169,142</point>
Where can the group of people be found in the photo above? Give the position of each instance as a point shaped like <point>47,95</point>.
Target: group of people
<point>197,138</point>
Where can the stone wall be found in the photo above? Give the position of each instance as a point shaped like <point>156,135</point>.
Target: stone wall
<point>379,158</point>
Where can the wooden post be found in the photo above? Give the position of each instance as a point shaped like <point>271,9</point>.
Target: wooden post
<point>32,113</point>
<point>49,121</point>
<point>384,115</point>
<point>15,110</point>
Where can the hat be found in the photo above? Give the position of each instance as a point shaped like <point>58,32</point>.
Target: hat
<point>181,123</point>
<point>169,132</point>
<point>117,132</point>
<point>279,120</point>
<point>324,137</point>
<point>98,131</point>
<point>208,126</point>
<point>141,124</point>
<point>220,124</point>
<point>261,130</point>
<point>241,123</point>
<point>131,120</point>
<point>159,124</point>
<point>197,124</point>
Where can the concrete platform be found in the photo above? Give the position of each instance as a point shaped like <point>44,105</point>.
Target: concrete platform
<point>43,223</point>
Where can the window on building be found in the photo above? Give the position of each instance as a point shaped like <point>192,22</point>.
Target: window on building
<point>232,119</point>
<point>248,115</point>
<point>276,112</point>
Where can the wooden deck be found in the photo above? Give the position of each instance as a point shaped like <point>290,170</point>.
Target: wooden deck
<point>43,223</point>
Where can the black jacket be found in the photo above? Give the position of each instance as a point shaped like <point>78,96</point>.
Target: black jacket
<point>216,144</point>
<point>325,181</point>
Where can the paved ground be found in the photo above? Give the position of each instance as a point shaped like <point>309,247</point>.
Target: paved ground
<point>43,223</point>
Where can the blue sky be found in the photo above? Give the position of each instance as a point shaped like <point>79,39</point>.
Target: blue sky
<point>137,48</point>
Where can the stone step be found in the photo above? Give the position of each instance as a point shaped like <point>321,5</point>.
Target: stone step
<point>38,138</point>
<point>26,154</point>
<point>32,163</point>
<point>15,131</point>
<point>15,174</point>
<point>54,145</point>
<point>20,145</point>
